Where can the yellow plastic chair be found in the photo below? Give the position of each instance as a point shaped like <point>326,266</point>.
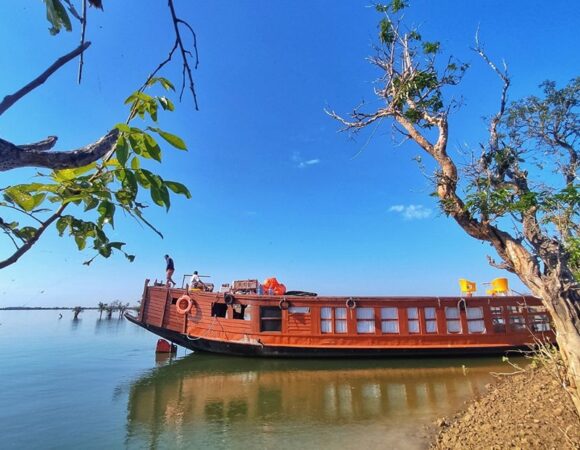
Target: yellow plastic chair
<point>499,286</point>
<point>467,287</point>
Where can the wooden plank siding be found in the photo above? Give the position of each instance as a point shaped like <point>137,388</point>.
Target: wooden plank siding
<point>304,329</point>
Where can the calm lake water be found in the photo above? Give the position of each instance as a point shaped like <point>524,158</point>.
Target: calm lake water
<point>94,383</point>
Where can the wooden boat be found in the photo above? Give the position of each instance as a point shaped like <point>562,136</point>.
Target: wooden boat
<point>298,325</point>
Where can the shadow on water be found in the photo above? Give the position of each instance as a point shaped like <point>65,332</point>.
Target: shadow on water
<point>229,401</point>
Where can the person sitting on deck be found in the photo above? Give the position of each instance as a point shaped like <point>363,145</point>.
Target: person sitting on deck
<point>196,282</point>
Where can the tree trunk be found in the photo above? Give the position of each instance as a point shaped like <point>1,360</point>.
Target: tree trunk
<point>561,306</point>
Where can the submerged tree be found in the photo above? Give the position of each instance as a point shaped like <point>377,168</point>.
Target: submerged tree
<point>102,307</point>
<point>76,311</point>
<point>90,185</point>
<point>519,192</point>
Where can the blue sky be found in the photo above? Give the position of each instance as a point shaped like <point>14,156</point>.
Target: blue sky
<point>277,191</point>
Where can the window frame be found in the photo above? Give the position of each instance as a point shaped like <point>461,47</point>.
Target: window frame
<point>387,320</point>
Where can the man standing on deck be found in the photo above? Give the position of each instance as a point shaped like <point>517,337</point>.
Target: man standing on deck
<point>169,269</point>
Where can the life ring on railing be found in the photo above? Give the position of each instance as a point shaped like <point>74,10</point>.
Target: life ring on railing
<point>284,304</point>
<point>351,303</point>
<point>229,299</point>
<point>183,304</point>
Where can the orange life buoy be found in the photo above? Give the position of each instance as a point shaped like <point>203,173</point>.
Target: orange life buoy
<point>183,304</point>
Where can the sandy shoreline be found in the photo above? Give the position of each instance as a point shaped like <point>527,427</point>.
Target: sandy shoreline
<point>530,410</point>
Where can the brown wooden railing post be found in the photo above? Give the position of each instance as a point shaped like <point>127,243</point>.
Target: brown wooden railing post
<point>144,302</point>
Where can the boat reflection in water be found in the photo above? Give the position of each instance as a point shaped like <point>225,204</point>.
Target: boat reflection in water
<point>228,402</point>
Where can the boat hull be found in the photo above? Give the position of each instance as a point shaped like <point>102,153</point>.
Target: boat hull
<point>200,344</point>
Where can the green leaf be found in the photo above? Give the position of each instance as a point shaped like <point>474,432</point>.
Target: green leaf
<point>105,251</point>
<point>137,143</point>
<point>153,148</point>
<point>165,196</point>
<point>130,183</point>
<point>386,33</point>
<point>166,104</point>
<point>57,16</point>
<point>62,223</point>
<point>106,213</point>
<point>178,188</point>
<point>135,164</point>
<point>21,198</point>
<point>167,85</point>
<point>431,47</point>
<point>117,245</point>
<point>81,241</point>
<point>142,179</point>
<point>156,195</point>
<point>172,139</point>
<point>71,174</point>
<point>122,150</point>
<point>397,5</point>
<point>38,199</point>
<point>124,128</point>
<point>90,203</point>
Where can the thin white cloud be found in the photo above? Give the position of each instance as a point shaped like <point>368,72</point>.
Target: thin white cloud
<point>302,163</point>
<point>411,212</point>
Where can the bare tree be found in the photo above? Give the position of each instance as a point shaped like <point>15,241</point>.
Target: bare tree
<point>533,227</point>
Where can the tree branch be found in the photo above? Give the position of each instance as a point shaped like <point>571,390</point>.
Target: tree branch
<point>83,31</point>
<point>9,100</point>
<point>40,146</point>
<point>13,156</point>
<point>186,68</point>
<point>28,245</point>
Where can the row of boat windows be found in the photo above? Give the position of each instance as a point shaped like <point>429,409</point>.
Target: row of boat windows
<point>333,320</point>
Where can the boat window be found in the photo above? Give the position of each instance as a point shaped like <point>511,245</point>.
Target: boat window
<point>517,323</point>
<point>430,320</point>
<point>298,310</point>
<point>497,319</point>
<point>238,311</point>
<point>515,309</point>
<point>365,320</point>
<point>536,309</point>
<point>498,324</point>
<point>413,320</point>
<point>218,309</point>
<point>390,320</point>
<point>270,318</point>
<point>248,313</point>
<point>475,320</point>
<point>539,322</point>
<point>340,320</point>
<point>326,319</point>
<point>452,318</point>
<point>332,320</point>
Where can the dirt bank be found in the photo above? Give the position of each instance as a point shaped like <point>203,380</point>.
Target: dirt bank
<point>525,411</point>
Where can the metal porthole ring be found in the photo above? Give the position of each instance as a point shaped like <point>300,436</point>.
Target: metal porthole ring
<point>351,303</point>
<point>229,299</point>
<point>284,304</point>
